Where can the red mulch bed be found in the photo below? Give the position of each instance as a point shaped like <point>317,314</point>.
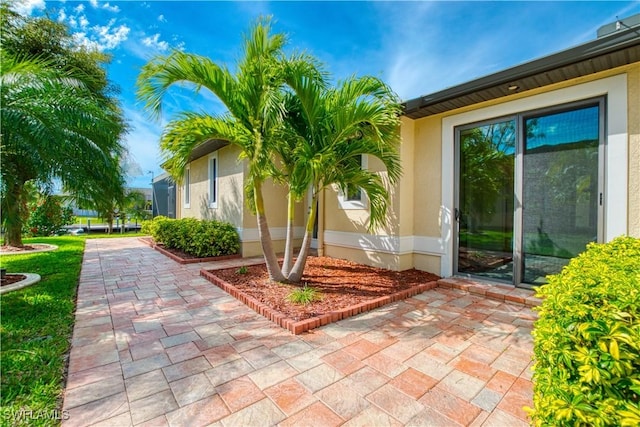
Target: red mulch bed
<point>181,256</point>
<point>342,284</point>
<point>10,279</point>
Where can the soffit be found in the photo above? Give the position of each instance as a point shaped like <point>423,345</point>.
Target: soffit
<point>602,54</point>
<point>207,147</point>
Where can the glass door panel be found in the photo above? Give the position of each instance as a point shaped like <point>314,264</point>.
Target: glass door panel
<point>560,189</point>
<point>485,200</point>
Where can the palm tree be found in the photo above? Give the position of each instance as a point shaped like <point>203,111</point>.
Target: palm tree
<point>333,128</point>
<point>52,126</point>
<point>253,120</point>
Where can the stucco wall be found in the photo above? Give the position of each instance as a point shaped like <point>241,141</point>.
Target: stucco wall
<point>230,189</point>
<point>634,150</point>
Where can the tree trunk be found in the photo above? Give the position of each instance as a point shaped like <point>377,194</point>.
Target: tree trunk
<point>269,252</point>
<point>12,214</point>
<point>288,250</point>
<point>298,269</point>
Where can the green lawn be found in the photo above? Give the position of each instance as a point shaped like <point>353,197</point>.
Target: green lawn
<point>35,330</point>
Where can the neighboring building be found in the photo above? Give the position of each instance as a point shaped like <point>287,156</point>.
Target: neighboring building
<point>505,177</point>
<point>164,196</point>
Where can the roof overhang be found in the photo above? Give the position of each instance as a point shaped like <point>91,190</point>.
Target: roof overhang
<point>605,53</point>
<point>207,147</point>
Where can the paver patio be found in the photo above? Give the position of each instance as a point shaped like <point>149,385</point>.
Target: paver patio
<point>155,344</point>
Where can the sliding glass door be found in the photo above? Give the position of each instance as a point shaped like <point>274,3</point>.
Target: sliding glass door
<point>560,189</point>
<point>485,194</point>
<point>529,192</point>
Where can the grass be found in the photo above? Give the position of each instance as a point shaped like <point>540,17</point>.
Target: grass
<point>36,328</point>
<point>35,332</point>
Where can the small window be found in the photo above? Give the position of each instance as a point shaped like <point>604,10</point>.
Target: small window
<point>187,188</point>
<point>354,194</point>
<point>213,181</point>
<point>354,197</point>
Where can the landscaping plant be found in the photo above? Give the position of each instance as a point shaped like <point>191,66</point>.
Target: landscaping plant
<point>47,217</point>
<point>201,238</point>
<point>587,340</point>
<point>304,295</point>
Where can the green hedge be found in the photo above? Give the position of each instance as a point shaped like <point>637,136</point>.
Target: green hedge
<point>587,340</point>
<point>201,238</point>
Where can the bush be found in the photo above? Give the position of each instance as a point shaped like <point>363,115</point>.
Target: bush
<point>150,226</point>
<point>47,217</point>
<point>198,238</point>
<point>587,340</point>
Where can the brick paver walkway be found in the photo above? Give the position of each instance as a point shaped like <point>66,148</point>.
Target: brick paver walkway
<point>155,344</point>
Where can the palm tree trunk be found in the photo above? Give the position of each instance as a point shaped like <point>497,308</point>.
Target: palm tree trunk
<point>269,252</point>
<point>298,269</point>
<point>12,214</point>
<point>288,249</point>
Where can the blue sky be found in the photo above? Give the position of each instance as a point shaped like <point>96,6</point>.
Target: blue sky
<point>417,47</point>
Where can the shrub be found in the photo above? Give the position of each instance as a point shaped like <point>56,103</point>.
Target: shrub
<point>587,340</point>
<point>150,226</point>
<point>47,217</point>
<point>199,238</point>
<point>304,295</point>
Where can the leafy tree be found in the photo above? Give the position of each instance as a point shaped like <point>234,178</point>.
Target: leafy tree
<point>136,205</point>
<point>57,119</point>
<point>47,216</point>
<point>281,112</point>
<point>332,129</point>
<point>253,120</point>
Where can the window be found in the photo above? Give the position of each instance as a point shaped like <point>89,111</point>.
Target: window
<point>354,197</point>
<point>187,188</point>
<point>213,181</point>
<point>354,194</point>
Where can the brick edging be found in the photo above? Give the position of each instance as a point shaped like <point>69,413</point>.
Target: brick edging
<point>298,327</point>
<point>181,260</point>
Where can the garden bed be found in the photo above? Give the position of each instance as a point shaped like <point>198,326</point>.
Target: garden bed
<point>181,256</point>
<point>347,289</point>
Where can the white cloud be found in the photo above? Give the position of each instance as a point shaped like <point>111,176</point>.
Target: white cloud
<point>110,8</point>
<point>79,8</point>
<point>62,15</point>
<point>109,36</point>
<point>106,6</point>
<point>26,7</point>
<point>82,39</point>
<point>154,42</point>
<point>161,18</point>
<point>83,22</point>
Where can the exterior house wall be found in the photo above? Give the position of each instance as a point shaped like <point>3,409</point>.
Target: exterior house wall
<point>231,206</point>
<point>422,203</point>
<point>633,81</point>
<point>613,85</point>
<point>420,229</point>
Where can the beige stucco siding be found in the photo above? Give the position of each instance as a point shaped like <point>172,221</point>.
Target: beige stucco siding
<point>634,150</point>
<point>230,189</point>
<point>427,193</point>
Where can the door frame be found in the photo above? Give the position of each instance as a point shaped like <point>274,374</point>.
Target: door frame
<point>519,119</point>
